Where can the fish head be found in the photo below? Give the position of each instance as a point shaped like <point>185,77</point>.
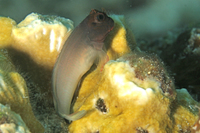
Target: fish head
<point>99,25</point>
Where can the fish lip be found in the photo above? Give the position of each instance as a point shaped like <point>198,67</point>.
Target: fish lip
<point>106,35</point>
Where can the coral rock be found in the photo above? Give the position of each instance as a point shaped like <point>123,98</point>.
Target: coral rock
<point>120,101</point>
<point>194,42</point>
<point>14,93</point>
<point>6,25</point>
<point>36,42</point>
<point>119,39</point>
<point>10,122</point>
<point>39,36</point>
<point>183,58</point>
<point>196,127</point>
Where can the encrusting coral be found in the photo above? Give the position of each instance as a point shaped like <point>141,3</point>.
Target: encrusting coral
<point>10,122</point>
<point>36,41</point>
<point>117,43</point>
<point>6,30</point>
<point>132,93</point>
<point>14,93</point>
<point>121,102</point>
<point>39,36</point>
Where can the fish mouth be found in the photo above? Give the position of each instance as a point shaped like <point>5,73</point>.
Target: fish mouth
<point>103,39</point>
<point>106,35</point>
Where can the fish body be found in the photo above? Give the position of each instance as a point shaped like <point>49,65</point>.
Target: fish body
<point>80,51</point>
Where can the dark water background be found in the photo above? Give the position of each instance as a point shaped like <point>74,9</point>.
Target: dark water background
<point>146,18</point>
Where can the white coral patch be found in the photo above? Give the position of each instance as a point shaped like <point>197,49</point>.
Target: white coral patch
<point>35,29</point>
<point>44,31</point>
<point>129,90</point>
<point>52,40</point>
<point>120,75</point>
<point>58,46</point>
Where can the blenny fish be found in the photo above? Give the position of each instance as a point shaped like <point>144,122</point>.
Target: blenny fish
<point>81,50</point>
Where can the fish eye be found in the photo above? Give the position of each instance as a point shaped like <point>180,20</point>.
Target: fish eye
<point>100,17</point>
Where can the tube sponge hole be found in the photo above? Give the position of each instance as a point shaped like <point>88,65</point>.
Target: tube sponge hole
<point>101,106</point>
